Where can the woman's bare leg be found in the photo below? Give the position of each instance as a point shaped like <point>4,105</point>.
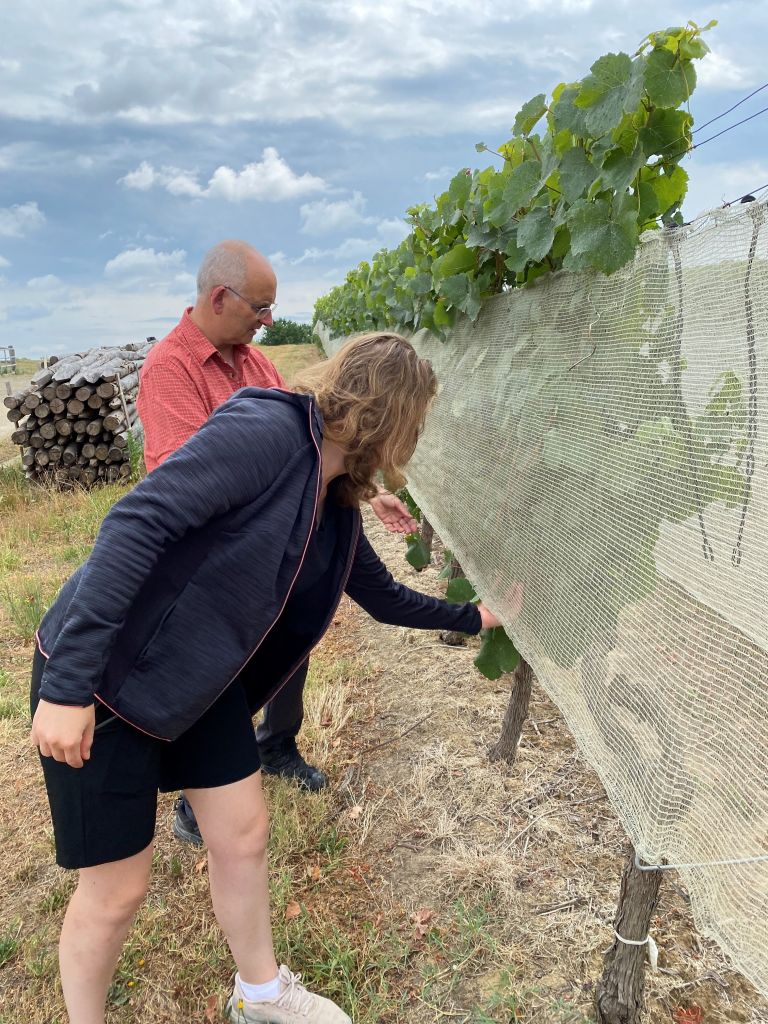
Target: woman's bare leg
<point>234,823</point>
<point>95,926</point>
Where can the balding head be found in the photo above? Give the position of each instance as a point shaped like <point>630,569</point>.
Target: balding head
<point>233,283</point>
<point>232,263</point>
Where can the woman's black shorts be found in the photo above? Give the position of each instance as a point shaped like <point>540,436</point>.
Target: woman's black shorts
<point>106,810</point>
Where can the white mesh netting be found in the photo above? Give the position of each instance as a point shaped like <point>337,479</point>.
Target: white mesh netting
<point>605,442</point>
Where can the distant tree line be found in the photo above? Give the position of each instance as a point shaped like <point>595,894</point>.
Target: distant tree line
<point>287,332</point>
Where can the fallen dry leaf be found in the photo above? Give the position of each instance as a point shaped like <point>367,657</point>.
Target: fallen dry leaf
<point>326,720</point>
<point>292,911</point>
<point>210,1009</point>
<point>355,812</point>
<point>689,1015</point>
<point>336,742</point>
<point>314,873</point>
<point>201,865</point>
<point>420,919</point>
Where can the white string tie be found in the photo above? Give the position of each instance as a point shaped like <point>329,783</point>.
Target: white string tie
<point>649,941</point>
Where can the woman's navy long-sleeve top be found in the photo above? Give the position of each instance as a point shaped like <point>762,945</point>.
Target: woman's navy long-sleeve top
<point>193,567</point>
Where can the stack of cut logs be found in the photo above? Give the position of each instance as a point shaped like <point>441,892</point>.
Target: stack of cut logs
<point>74,420</point>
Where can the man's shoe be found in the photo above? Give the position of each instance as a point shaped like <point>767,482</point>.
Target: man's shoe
<point>185,826</point>
<point>295,1006</point>
<point>281,757</point>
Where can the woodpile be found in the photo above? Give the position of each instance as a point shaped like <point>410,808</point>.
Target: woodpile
<point>73,422</point>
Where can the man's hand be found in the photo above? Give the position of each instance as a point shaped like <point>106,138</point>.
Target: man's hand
<point>64,733</point>
<point>393,513</point>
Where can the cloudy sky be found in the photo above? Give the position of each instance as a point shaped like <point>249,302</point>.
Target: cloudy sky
<point>134,134</point>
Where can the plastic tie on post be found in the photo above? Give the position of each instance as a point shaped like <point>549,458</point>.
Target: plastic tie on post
<point>649,941</point>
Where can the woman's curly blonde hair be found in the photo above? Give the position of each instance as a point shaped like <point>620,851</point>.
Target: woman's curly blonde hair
<point>374,395</point>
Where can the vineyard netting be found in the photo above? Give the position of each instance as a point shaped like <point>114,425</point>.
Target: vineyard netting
<point>604,442</point>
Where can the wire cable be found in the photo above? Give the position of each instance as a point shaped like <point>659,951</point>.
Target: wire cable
<point>728,111</point>
<point>717,136</point>
<point>751,194</point>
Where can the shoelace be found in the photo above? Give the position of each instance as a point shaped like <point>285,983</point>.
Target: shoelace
<point>295,997</point>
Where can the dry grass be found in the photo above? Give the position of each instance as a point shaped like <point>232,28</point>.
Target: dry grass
<point>289,359</point>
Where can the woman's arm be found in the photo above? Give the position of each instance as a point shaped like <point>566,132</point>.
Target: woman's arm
<point>372,586</point>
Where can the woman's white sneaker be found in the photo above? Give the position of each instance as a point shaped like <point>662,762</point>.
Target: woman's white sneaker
<point>295,1005</point>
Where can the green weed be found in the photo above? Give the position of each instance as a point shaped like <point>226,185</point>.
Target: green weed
<point>9,942</point>
<point>26,605</point>
<point>12,703</point>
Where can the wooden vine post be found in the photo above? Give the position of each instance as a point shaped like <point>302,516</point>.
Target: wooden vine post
<point>619,994</point>
<point>453,637</point>
<point>427,534</point>
<point>505,748</point>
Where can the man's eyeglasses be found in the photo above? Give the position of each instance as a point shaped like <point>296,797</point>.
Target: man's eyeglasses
<point>262,312</point>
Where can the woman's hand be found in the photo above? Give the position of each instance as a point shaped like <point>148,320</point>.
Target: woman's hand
<point>513,607</point>
<point>64,733</point>
<point>393,513</point>
<point>487,618</point>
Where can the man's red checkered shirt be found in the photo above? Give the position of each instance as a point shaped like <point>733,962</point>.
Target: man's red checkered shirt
<point>184,378</point>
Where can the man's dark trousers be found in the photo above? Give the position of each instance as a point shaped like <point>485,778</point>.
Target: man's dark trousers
<point>284,714</point>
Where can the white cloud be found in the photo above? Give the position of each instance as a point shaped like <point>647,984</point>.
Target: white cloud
<point>324,216</point>
<point>269,180</point>
<point>144,263</point>
<point>388,235</point>
<point>44,284</point>
<point>143,178</point>
<point>16,221</point>
<point>718,71</point>
<point>443,174</point>
<point>4,262</point>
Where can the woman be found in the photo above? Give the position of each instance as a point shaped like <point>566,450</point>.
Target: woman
<point>207,586</point>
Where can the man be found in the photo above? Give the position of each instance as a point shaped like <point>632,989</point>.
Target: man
<point>204,359</point>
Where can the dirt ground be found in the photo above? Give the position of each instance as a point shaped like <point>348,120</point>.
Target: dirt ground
<point>442,822</point>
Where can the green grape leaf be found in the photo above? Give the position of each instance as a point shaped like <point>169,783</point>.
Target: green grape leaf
<point>480,147</point>
<point>576,174</point>
<point>472,303</point>
<point>566,116</point>
<point>606,239</point>
<point>693,48</point>
<point>649,201</point>
<point>455,288</point>
<point>535,233</point>
<point>457,260</point>
<point>524,182</point>
<point>417,552</point>
<point>667,133</point>
<point>670,188</point>
<point>460,590</point>
<point>516,257</point>
<point>613,89</point>
<point>445,572</point>
<point>460,188</point>
<point>668,80</point>
<point>531,112</point>
<point>619,168</point>
<point>497,654</point>
<point>419,283</point>
<point>441,316</point>
<point>407,498</point>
